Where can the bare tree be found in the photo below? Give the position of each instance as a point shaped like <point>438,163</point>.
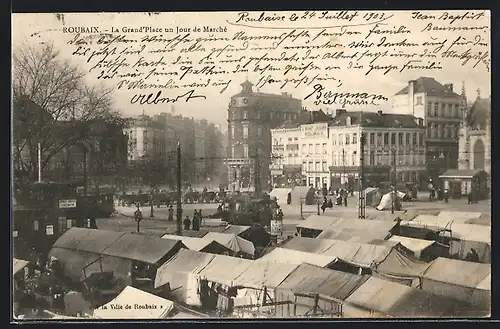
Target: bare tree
<point>52,105</point>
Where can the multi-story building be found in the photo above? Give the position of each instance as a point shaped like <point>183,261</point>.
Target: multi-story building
<point>146,151</point>
<point>299,150</point>
<point>201,148</point>
<point>440,108</point>
<point>146,139</point>
<point>394,143</point>
<point>251,116</point>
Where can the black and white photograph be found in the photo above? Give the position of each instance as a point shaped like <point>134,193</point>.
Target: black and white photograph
<point>251,165</point>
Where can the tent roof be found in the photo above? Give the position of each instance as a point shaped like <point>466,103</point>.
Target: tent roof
<point>415,245</point>
<point>75,261</point>
<point>90,240</point>
<point>467,232</point>
<point>132,296</point>
<point>264,274</point>
<point>358,230</point>
<point>354,253</point>
<point>399,300</point>
<point>485,284</point>
<point>401,265</point>
<point>18,265</point>
<point>312,279</point>
<point>184,261</point>
<point>289,256</point>
<point>457,272</point>
<point>236,229</point>
<point>358,254</point>
<point>316,246</point>
<point>197,244</point>
<point>459,216</point>
<point>317,222</point>
<point>148,249</point>
<point>471,232</point>
<point>224,269</point>
<point>232,241</point>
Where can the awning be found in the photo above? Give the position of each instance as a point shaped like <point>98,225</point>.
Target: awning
<point>185,261</point>
<point>18,265</point>
<point>397,264</point>
<point>264,274</point>
<point>485,284</point>
<point>289,256</point>
<point>143,305</point>
<point>312,279</point>
<point>232,241</point>
<point>460,173</point>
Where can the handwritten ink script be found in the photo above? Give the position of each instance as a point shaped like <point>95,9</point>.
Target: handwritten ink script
<point>328,58</point>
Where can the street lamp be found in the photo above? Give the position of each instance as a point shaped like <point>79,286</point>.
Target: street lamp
<point>179,182</point>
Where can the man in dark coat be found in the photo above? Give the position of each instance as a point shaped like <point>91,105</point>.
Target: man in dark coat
<point>187,223</point>
<point>171,213</point>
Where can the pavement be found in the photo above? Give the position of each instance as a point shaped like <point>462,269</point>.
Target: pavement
<point>124,221</point>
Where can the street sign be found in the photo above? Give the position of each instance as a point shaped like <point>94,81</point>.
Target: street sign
<point>67,203</point>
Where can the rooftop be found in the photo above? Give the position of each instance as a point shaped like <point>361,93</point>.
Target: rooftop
<point>430,87</point>
<point>373,119</point>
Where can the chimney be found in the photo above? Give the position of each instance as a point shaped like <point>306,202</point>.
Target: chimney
<point>449,86</point>
<point>411,96</point>
<point>311,117</point>
<point>379,112</point>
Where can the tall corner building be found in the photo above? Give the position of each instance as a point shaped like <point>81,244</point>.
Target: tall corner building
<point>250,117</point>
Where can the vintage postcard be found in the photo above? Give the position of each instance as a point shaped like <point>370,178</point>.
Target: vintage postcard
<point>295,164</point>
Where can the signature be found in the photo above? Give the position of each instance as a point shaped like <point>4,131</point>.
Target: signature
<point>157,98</point>
<point>327,97</point>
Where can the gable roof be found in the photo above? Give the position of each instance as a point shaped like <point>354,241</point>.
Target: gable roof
<point>429,86</point>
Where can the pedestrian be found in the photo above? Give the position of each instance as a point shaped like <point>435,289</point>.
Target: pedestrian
<point>323,206</point>
<point>171,213</point>
<point>200,217</point>
<point>187,223</point>
<point>196,221</point>
<point>469,198</point>
<point>345,198</point>
<point>446,195</point>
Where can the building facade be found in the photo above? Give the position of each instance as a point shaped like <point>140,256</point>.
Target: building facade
<point>394,149</point>
<point>251,116</point>
<point>146,156</point>
<point>329,153</point>
<point>440,107</point>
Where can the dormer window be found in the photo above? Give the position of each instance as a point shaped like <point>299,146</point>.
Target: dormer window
<point>348,121</point>
<point>397,122</point>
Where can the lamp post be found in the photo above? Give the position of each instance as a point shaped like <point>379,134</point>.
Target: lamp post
<point>151,203</point>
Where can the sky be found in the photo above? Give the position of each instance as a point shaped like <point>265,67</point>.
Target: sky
<point>34,29</point>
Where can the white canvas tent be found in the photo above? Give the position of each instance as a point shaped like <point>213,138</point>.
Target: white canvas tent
<point>131,304</point>
<point>386,200</point>
<point>232,241</point>
<point>281,195</point>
